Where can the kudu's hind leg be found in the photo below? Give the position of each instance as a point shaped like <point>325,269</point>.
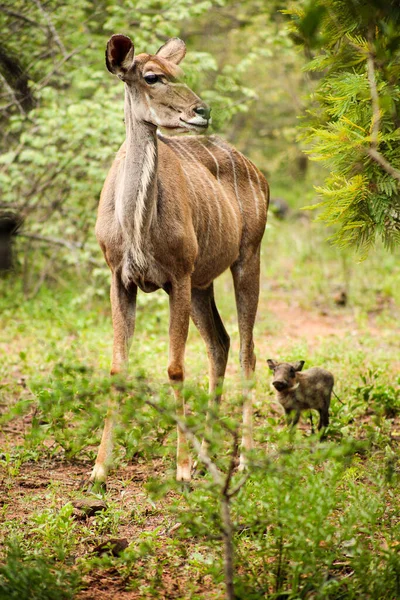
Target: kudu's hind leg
<point>206,317</point>
<point>246,279</point>
<point>123,307</point>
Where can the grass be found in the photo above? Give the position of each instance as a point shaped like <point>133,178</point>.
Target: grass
<point>313,520</point>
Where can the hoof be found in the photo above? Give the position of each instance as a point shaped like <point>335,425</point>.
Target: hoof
<point>91,486</point>
<point>98,487</point>
<point>185,486</point>
<point>96,483</point>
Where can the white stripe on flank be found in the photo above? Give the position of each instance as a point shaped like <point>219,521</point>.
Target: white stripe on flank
<point>182,151</point>
<point>263,199</point>
<point>233,170</point>
<point>183,170</point>
<point>200,141</point>
<point>188,179</point>
<point>216,195</point>
<point>211,154</point>
<point>251,183</point>
<point>192,187</point>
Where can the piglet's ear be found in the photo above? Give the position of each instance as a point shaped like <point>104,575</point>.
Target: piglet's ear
<point>120,54</point>
<point>174,50</point>
<point>298,365</point>
<point>272,364</point>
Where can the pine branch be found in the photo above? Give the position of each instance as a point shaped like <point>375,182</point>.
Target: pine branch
<point>376,120</point>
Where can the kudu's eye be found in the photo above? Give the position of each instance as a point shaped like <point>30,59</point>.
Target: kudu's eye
<point>292,372</point>
<point>151,78</point>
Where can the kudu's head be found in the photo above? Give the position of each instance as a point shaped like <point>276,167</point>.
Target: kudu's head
<point>284,374</point>
<point>156,95</point>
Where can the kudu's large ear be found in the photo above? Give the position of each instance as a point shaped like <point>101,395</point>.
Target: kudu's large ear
<point>120,54</point>
<point>272,364</point>
<point>298,365</point>
<point>174,50</point>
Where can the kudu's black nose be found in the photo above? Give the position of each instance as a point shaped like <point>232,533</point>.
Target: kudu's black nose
<point>203,111</point>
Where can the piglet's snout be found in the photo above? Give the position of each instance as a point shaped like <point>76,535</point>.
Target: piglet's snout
<point>280,385</point>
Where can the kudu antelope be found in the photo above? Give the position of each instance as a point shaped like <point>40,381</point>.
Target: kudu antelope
<point>174,213</point>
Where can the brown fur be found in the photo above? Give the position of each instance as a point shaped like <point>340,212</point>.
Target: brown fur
<point>178,222</point>
<point>298,391</point>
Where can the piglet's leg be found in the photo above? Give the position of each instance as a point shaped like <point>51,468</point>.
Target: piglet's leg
<point>292,417</point>
<point>323,422</point>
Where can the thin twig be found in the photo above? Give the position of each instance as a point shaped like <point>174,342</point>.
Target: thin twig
<point>51,27</point>
<point>232,463</point>
<point>38,188</point>
<point>13,95</point>
<point>52,240</point>
<point>7,106</point>
<point>201,451</point>
<point>381,160</point>
<point>73,246</point>
<point>227,533</point>
<point>17,15</point>
<point>39,283</point>
<point>239,485</point>
<point>226,494</point>
<point>43,82</point>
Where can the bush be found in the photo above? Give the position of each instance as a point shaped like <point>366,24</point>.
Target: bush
<point>30,577</point>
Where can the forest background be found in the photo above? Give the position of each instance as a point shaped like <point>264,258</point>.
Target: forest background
<point>285,80</point>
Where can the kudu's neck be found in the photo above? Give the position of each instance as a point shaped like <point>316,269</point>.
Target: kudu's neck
<point>136,198</point>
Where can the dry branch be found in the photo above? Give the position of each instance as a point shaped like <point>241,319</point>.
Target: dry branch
<point>381,160</point>
<point>51,28</point>
<point>13,13</point>
<point>51,240</point>
<point>12,94</point>
<point>201,451</point>
<point>43,82</point>
<point>73,246</point>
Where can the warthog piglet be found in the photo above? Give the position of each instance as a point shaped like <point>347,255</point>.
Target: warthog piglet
<point>301,391</point>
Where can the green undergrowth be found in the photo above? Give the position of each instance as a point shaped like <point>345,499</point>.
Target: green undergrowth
<point>313,520</point>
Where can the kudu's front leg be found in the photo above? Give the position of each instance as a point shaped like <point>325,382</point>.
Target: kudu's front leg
<point>123,308</point>
<point>179,304</point>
